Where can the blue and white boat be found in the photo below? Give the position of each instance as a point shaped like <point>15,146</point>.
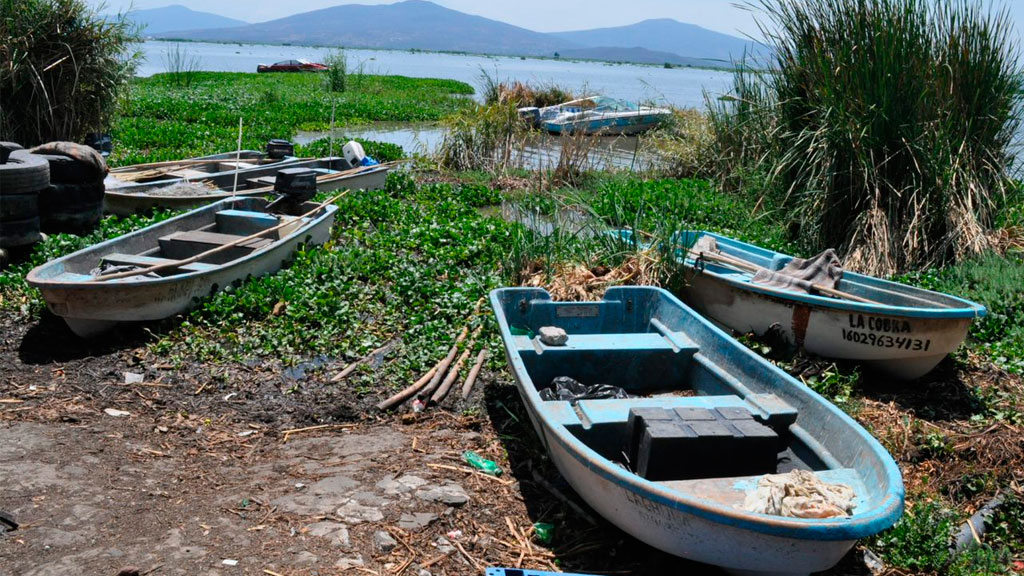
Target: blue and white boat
<point>901,330</point>
<point>681,463</point>
<point>597,115</point>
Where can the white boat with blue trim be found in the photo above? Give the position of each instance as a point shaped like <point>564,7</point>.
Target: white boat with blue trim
<point>229,240</point>
<point>597,115</point>
<point>710,428</point>
<point>898,329</point>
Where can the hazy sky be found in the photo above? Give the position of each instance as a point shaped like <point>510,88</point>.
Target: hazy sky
<point>728,16</point>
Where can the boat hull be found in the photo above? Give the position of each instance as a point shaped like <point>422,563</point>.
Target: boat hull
<point>126,204</point>
<point>90,308</point>
<point>905,347</point>
<point>667,358</point>
<point>609,126</point>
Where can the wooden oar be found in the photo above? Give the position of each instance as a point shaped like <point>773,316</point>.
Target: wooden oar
<point>754,268</point>
<point>221,248</point>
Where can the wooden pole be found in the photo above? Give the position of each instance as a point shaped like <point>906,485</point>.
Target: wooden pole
<point>221,248</point>
<point>409,392</point>
<point>443,365</point>
<point>238,156</point>
<point>467,387</point>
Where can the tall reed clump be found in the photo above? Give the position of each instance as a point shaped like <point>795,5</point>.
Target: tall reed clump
<point>885,126</point>
<point>182,66</point>
<point>680,147</point>
<point>495,91</point>
<point>62,68</point>
<point>483,137</point>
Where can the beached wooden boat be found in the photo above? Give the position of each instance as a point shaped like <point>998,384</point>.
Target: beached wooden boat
<point>596,115</point>
<point>332,174</point>
<point>141,177</point>
<point>901,330</point>
<point>88,290</point>
<point>681,465</point>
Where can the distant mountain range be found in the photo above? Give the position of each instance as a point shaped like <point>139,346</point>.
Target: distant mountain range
<point>175,17</point>
<point>422,25</point>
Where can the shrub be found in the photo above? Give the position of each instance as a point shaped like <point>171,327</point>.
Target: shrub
<point>885,127</point>
<point>679,148</point>
<point>483,137</point>
<point>63,68</point>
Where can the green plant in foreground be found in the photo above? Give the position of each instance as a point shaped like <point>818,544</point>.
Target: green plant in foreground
<point>337,70</point>
<point>886,127</point>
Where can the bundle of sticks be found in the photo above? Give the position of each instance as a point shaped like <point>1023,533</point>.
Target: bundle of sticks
<point>434,386</point>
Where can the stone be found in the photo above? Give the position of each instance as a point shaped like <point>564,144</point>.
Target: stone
<point>402,485</point>
<point>305,558</point>
<point>383,541</point>
<point>416,521</point>
<point>353,512</point>
<point>449,493</point>
<point>347,563</point>
<point>552,335</point>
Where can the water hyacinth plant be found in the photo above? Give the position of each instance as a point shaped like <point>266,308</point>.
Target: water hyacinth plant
<point>885,125</point>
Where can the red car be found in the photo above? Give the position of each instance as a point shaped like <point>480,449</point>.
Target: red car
<point>292,66</point>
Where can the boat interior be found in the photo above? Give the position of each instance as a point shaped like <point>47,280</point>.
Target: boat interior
<point>697,420</point>
<point>182,239</point>
<point>256,172</point>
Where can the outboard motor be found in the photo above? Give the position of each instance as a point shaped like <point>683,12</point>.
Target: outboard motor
<point>353,153</point>
<point>278,149</point>
<point>294,186</point>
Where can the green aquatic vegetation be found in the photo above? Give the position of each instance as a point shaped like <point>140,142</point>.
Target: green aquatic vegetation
<point>379,151</point>
<point>406,261</point>
<point>995,282</point>
<point>161,120</point>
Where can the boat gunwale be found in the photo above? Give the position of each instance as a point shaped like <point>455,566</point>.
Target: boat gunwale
<point>881,516</point>
<point>35,280</point>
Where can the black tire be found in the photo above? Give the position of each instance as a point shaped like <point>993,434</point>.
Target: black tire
<point>24,173</point>
<point>19,232</point>
<point>19,206</point>
<point>65,170</point>
<point>63,197</point>
<point>77,222</point>
<point>6,148</point>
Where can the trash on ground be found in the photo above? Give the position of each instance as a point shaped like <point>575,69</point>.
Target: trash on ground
<point>480,463</point>
<point>116,413</point>
<point>544,532</point>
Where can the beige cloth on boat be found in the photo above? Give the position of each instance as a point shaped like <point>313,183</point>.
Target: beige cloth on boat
<point>799,494</point>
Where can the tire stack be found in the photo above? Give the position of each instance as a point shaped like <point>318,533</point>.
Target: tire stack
<point>22,177</point>
<point>73,202</point>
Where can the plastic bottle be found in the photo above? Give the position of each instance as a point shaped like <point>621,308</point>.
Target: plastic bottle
<point>482,464</point>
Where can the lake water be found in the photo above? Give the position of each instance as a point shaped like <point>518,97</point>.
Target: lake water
<point>680,87</point>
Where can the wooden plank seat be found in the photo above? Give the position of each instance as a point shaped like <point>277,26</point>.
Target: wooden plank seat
<point>147,261</point>
<point>186,244</point>
<point>612,342</point>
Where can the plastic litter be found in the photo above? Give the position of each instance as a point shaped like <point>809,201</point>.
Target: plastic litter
<point>517,331</point>
<point>544,532</point>
<point>418,405</point>
<point>565,388</point>
<point>482,464</point>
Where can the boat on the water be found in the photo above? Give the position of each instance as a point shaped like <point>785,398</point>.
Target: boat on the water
<point>898,329</point>
<point>186,257</point>
<point>690,462</point>
<point>331,173</point>
<point>596,115</point>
